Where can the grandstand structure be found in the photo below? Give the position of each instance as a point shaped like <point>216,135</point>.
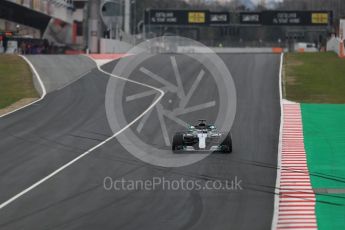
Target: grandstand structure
<point>61,22</point>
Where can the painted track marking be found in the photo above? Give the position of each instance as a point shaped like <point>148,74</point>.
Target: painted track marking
<point>294,183</point>
<point>294,203</point>
<point>12,199</point>
<point>280,146</point>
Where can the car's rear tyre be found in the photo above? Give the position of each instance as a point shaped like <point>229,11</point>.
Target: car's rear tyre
<point>227,144</point>
<point>177,143</point>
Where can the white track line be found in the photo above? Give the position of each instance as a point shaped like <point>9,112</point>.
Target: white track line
<point>44,91</point>
<point>280,147</point>
<point>9,201</point>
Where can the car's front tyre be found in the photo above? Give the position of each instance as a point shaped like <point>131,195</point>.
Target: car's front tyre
<point>177,143</point>
<point>227,144</point>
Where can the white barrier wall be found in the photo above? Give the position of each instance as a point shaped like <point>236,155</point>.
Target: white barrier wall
<point>334,44</point>
<point>305,47</point>
<point>193,49</point>
<point>114,46</point>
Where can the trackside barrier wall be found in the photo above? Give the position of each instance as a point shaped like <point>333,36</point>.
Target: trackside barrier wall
<point>193,49</point>
<point>337,45</point>
<point>114,46</point>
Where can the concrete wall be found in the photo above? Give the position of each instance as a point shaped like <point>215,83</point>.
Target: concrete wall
<point>334,44</point>
<point>114,46</point>
<point>303,47</point>
<point>193,49</point>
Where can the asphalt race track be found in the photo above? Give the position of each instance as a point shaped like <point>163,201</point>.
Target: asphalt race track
<point>58,71</point>
<point>39,139</point>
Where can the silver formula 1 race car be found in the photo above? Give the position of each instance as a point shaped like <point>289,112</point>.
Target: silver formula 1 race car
<point>202,137</point>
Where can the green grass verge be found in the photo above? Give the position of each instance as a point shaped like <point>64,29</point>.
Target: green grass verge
<point>330,211</point>
<point>314,78</point>
<point>15,80</point>
<point>324,139</point>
